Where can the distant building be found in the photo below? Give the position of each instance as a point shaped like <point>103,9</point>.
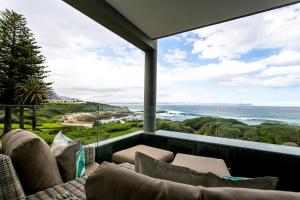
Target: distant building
<point>64,101</point>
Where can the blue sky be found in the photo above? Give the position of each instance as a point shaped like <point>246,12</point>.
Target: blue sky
<point>251,60</point>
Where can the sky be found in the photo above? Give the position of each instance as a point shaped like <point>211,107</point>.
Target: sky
<point>250,60</point>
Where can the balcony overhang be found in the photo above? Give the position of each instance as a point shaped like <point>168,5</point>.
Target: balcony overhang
<point>142,21</point>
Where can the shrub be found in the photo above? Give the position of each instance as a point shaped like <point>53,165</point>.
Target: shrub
<point>197,123</point>
<point>48,138</point>
<point>117,127</point>
<point>208,128</point>
<point>163,125</point>
<point>229,131</point>
<point>175,127</point>
<point>140,125</point>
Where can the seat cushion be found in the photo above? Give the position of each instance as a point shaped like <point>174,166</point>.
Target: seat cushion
<point>128,166</point>
<point>70,190</point>
<point>202,164</point>
<point>90,168</point>
<point>33,160</point>
<point>156,169</point>
<point>113,182</point>
<point>128,155</point>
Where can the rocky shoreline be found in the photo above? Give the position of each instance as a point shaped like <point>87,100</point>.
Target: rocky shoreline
<point>87,119</point>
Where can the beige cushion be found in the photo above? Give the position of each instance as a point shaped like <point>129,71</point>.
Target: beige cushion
<point>161,170</point>
<point>202,164</point>
<point>33,160</point>
<point>113,182</point>
<point>90,168</point>
<point>128,155</point>
<point>65,155</point>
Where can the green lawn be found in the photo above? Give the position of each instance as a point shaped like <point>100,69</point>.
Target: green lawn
<point>50,114</point>
<point>119,133</point>
<point>47,131</point>
<point>14,126</point>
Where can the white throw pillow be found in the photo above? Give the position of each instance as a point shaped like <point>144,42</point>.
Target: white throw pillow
<point>70,156</point>
<point>59,141</point>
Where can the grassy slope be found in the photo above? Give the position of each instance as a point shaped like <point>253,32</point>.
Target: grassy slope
<point>48,116</point>
<point>87,135</point>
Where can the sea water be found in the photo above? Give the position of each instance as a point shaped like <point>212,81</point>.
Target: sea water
<point>252,115</point>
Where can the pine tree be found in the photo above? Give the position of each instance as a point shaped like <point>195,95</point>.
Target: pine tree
<point>20,58</point>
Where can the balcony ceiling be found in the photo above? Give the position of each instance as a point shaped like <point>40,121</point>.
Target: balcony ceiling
<point>160,18</point>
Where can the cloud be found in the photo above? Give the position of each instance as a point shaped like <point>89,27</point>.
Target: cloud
<point>220,71</point>
<point>85,59</point>
<point>270,30</point>
<point>89,75</point>
<point>88,61</point>
<point>175,56</point>
<point>278,71</point>
<point>263,73</point>
<point>284,57</point>
<point>275,82</point>
<point>230,41</point>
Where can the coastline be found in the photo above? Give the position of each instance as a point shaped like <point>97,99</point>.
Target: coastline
<point>248,114</point>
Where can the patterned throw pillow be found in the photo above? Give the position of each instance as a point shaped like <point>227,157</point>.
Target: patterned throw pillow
<point>10,186</point>
<point>80,162</point>
<point>234,178</point>
<point>63,142</point>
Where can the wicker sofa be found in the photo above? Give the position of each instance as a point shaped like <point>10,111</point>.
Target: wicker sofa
<point>73,189</point>
<point>11,187</point>
<point>110,181</point>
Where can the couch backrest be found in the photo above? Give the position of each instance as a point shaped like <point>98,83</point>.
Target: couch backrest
<point>33,160</point>
<point>89,150</point>
<point>113,182</point>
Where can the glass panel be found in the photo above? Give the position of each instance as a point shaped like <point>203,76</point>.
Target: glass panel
<point>248,82</point>
<point>274,125</point>
<point>89,122</point>
<point>267,124</point>
<point>196,119</point>
<point>120,120</point>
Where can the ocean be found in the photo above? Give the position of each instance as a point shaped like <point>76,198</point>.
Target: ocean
<point>252,115</point>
